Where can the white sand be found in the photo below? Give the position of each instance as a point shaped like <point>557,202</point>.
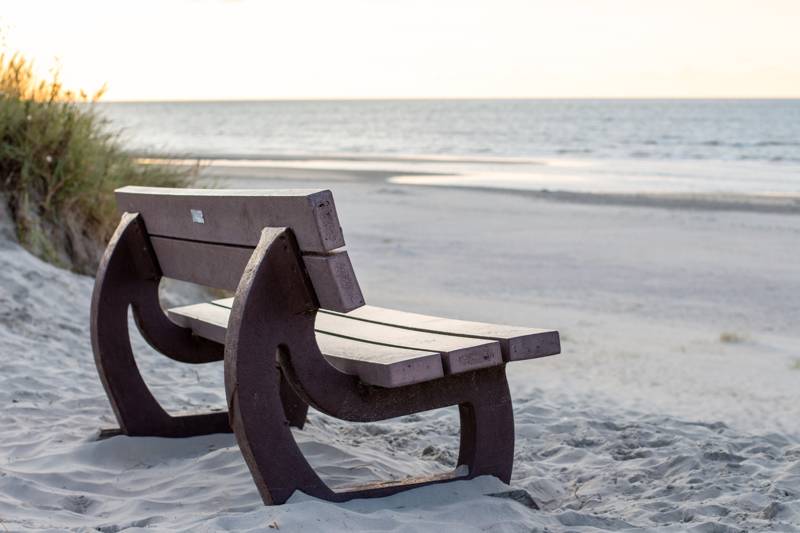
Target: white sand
<point>648,419</point>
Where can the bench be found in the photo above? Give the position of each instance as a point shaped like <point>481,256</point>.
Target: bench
<point>296,334</point>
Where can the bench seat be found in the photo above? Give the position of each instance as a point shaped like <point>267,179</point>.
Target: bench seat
<point>390,348</point>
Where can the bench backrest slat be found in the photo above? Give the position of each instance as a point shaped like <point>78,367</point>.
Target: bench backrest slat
<point>206,236</point>
<point>212,265</point>
<point>231,216</point>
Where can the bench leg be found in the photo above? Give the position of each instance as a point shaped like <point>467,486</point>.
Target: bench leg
<point>487,433</point>
<point>120,284</point>
<point>261,424</point>
<point>257,416</point>
<point>270,342</point>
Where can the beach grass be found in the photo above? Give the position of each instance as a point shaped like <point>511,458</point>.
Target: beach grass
<point>729,337</point>
<point>59,166</point>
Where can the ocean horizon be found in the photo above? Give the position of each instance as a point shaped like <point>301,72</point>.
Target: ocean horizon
<point>749,147</point>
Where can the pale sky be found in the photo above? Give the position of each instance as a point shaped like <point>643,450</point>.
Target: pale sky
<point>250,49</point>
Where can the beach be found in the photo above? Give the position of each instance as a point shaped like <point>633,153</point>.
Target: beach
<point>596,204</point>
<point>673,406</point>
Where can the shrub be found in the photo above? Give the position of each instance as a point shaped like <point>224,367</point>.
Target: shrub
<point>59,166</point>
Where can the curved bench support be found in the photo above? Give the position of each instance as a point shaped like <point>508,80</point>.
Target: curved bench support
<point>128,276</point>
<point>271,341</point>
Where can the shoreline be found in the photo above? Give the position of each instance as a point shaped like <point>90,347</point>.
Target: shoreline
<point>308,168</point>
<point>681,201</point>
<point>381,158</point>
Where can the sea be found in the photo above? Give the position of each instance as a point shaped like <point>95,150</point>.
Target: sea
<point>747,147</point>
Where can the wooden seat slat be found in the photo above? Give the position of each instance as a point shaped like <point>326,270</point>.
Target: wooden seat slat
<point>459,354</point>
<point>374,364</point>
<point>517,343</point>
<point>203,320</point>
<point>385,366</point>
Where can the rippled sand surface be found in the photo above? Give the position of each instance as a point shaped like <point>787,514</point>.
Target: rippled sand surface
<point>689,431</point>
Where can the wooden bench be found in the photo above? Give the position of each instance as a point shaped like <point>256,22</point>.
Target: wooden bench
<point>296,334</point>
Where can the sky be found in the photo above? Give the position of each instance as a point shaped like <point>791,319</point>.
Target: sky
<point>308,49</point>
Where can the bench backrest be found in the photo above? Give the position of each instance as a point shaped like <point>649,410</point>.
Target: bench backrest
<point>206,236</point>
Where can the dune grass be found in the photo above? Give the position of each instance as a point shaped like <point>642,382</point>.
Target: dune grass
<point>59,166</point>
<point>729,337</point>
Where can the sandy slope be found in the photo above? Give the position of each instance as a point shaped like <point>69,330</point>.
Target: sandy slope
<point>648,420</point>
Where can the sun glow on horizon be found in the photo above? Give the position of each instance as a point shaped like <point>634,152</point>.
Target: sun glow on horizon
<point>219,50</point>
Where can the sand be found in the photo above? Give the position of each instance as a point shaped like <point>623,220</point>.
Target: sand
<point>674,406</point>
